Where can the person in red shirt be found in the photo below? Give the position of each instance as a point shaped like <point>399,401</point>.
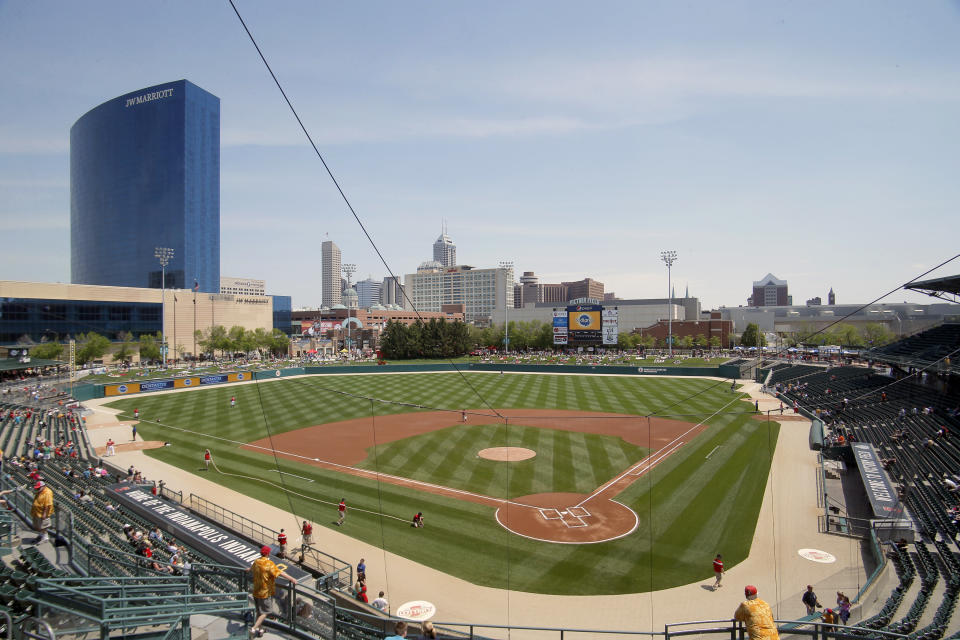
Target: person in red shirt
<point>718,571</point>
<point>307,533</point>
<point>282,543</point>
<point>207,458</point>
<point>342,509</point>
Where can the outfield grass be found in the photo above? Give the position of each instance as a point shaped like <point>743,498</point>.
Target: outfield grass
<point>580,462</point>
<point>690,507</point>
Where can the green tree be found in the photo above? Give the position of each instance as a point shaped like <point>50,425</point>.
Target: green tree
<point>625,340</point>
<point>124,350</point>
<point>715,342</point>
<point>91,346</point>
<point>395,341</point>
<point>700,340</point>
<point>279,344</point>
<point>876,334</point>
<point>47,351</point>
<point>149,347</point>
<point>752,337</point>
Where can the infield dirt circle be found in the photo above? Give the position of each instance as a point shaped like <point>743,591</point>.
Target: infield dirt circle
<point>570,518</point>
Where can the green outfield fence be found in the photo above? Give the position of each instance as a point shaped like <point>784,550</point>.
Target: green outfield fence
<point>91,391</point>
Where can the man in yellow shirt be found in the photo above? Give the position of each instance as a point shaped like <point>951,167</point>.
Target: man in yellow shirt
<point>265,574</point>
<point>42,509</point>
<point>757,616</point>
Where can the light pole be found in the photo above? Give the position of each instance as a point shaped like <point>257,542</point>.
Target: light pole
<point>164,255</point>
<point>506,265</point>
<point>669,257</point>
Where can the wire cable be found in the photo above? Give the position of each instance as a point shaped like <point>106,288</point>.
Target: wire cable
<point>340,190</point>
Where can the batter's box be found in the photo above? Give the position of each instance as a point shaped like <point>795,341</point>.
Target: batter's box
<point>578,512</point>
<point>550,514</point>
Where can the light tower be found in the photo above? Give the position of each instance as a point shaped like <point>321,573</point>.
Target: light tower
<point>349,270</point>
<point>164,255</point>
<point>669,257</point>
<point>507,266</point>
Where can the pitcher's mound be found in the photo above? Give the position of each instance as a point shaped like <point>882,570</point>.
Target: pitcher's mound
<point>506,454</point>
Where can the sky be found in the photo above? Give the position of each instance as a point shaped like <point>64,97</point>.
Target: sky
<point>816,141</point>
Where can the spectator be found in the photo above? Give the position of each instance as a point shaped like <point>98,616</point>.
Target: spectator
<point>362,592</point>
<point>362,570</point>
<point>265,574</point>
<point>399,631</point>
<point>282,543</point>
<point>380,602</point>
<point>42,510</point>
<point>756,615</point>
<point>843,606</point>
<point>828,618</point>
<point>307,533</point>
<point>427,632</point>
<point>810,600</point>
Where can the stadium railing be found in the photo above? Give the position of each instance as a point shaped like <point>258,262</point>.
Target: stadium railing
<point>335,572</point>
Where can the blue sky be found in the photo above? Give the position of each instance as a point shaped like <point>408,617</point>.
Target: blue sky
<point>817,141</point>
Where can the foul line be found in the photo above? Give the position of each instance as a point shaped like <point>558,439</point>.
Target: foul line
<point>609,483</point>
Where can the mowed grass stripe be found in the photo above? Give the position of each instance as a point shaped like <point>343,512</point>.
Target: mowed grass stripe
<point>464,539</point>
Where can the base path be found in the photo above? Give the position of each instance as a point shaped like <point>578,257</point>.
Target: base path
<point>550,517</point>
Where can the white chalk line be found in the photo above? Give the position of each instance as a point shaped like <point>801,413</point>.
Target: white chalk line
<point>609,483</point>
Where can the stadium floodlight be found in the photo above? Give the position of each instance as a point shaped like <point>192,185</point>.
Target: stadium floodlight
<point>164,255</point>
<point>505,265</point>
<point>669,257</point>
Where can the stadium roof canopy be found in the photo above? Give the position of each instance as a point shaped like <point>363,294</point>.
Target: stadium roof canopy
<point>14,364</point>
<point>947,288</point>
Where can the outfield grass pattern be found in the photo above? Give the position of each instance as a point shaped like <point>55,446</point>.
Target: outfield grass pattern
<point>690,507</point>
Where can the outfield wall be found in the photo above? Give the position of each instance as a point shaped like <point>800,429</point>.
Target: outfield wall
<point>147,386</point>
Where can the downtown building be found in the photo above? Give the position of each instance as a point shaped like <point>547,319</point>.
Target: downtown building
<point>332,293</point>
<point>145,173</point>
<point>482,292</point>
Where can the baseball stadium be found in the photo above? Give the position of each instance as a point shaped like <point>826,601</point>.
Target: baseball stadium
<point>552,501</point>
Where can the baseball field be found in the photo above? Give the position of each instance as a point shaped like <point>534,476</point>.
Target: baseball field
<point>559,484</point>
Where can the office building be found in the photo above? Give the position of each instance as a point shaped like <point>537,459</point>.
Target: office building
<point>330,278</point>
<point>586,288</point>
<point>769,291</point>
<point>391,291</point>
<point>145,173</point>
<point>483,292</point>
<point>243,286</point>
<point>368,292</point>
<point>444,251</point>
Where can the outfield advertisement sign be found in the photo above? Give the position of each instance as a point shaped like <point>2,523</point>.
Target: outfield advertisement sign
<point>610,326</point>
<point>560,326</point>
<point>175,383</point>
<point>883,499</point>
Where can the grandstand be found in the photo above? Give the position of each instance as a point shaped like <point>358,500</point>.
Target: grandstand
<point>911,419</point>
<point>105,588</point>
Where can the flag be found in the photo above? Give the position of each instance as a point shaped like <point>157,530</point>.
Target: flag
<point>196,286</point>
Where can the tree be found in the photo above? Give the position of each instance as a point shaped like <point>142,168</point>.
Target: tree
<point>625,341</point>
<point>150,347</point>
<point>752,337</point>
<point>47,351</point>
<point>91,346</point>
<point>876,334</point>
<point>124,350</point>
<point>279,343</point>
<point>715,342</point>
<point>700,340</point>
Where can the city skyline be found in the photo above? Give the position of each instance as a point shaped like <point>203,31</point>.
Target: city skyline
<point>745,137</point>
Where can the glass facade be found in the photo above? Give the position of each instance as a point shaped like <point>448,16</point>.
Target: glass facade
<point>63,319</point>
<point>283,313</point>
<point>145,173</point>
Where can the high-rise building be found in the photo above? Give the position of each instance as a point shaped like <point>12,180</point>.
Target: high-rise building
<point>331,281</point>
<point>368,293</point>
<point>482,291</point>
<point>586,288</point>
<point>444,251</point>
<point>145,173</point>
<point>769,291</point>
<point>391,291</point>
<point>831,297</point>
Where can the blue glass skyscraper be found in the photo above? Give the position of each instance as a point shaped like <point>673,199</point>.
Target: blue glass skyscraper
<point>145,173</point>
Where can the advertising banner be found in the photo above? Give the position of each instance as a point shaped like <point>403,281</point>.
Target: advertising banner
<point>121,389</point>
<point>560,321</point>
<point>883,499</point>
<point>610,326</point>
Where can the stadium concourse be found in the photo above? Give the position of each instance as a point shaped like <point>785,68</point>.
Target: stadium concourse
<point>788,523</point>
